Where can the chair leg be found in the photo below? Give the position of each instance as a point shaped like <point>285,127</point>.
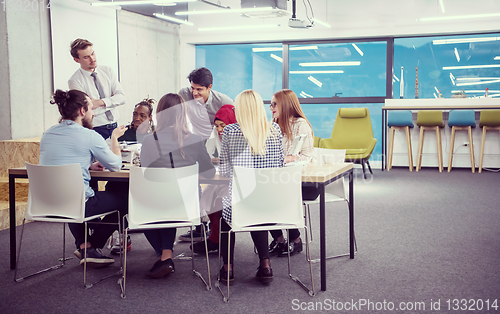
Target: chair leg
<point>123,246</point>
<point>363,168</point>
<point>439,149</point>
<point>226,299</point>
<point>369,167</point>
<point>482,150</point>
<point>408,144</point>
<point>452,144</point>
<point>197,273</point>
<point>471,149</point>
<point>420,147</point>
<point>392,130</point>
<point>123,280</point>
<point>40,271</point>
<point>311,292</point>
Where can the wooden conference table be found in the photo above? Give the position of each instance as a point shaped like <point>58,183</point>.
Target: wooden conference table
<point>312,176</point>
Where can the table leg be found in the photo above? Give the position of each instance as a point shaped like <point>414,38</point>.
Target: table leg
<point>351,214</point>
<point>322,235</point>
<point>384,139</point>
<point>12,214</point>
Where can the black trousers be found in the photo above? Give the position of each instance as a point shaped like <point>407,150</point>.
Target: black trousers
<point>309,193</point>
<point>259,238</point>
<point>101,202</point>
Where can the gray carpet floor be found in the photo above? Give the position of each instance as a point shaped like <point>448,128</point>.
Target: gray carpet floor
<point>426,241</point>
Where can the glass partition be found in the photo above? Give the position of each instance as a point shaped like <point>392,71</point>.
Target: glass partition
<point>447,65</point>
<point>236,68</point>
<point>351,69</point>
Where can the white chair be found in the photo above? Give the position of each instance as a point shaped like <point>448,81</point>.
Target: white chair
<point>335,191</point>
<point>267,199</point>
<point>163,198</point>
<point>57,194</point>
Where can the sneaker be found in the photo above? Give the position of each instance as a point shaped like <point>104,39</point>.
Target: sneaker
<point>293,247</point>
<point>277,248</point>
<point>264,274</point>
<point>78,254</point>
<point>115,250</point>
<point>197,236</point>
<point>199,247</point>
<point>223,276</point>
<point>161,269</point>
<point>94,258</point>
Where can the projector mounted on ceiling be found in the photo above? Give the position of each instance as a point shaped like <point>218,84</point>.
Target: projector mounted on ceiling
<point>294,22</point>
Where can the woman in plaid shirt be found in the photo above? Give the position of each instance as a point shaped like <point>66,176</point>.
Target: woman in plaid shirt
<point>252,142</point>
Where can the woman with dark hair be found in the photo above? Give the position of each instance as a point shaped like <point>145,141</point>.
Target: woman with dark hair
<point>288,114</point>
<point>172,145</point>
<point>143,112</point>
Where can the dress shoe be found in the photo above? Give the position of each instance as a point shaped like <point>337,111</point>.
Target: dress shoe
<point>161,269</point>
<point>264,274</point>
<point>199,247</point>
<point>223,276</point>
<point>293,247</point>
<point>277,248</point>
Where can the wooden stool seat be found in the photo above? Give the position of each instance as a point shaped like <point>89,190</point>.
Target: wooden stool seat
<point>489,120</point>
<point>430,120</point>
<point>400,120</point>
<point>462,120</point>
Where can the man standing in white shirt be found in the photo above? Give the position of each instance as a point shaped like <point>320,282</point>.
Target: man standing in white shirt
<point>100,84</point>
<point>203,104</point>
<point>203,101</point>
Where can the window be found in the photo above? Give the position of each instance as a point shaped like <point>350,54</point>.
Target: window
<point>236,68</point>
<point>352,69</point>
<point>447,65</point>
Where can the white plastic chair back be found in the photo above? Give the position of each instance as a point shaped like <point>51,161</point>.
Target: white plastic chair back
<point>334,191</point>
<point>266,198</point>
<point>163,196</point>
<point>297,144</point>
<point>56,193</point>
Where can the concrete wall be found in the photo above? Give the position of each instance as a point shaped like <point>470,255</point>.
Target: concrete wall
<point>148,59</point>
<point>5,132</point>
<point>26,83</point>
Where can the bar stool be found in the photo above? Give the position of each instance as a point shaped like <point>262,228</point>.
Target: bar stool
<point>399,120</point>
<point>430,120</point>
<point>488,120</point>
<point>462,120</point>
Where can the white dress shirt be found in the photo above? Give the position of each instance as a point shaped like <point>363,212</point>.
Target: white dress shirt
<point>113,91</point>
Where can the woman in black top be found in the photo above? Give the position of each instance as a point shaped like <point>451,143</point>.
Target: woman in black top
<point>172,145</point>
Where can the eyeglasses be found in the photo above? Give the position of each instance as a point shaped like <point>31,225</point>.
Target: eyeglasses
<point>273,105</point>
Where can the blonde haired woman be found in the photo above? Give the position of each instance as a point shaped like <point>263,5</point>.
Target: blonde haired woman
<point>252,142</point>
<point>292,121</point>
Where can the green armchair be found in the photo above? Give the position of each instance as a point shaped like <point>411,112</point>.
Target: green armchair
<point>353,132</point>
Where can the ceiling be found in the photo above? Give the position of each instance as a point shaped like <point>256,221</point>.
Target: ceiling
<point>353,18</point>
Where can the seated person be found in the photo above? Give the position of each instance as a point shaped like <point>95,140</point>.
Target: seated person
<point>211,199</point>
<point>74,141</point>
<point>171,145</point>
<point>288,114</point>
<point>143,111</point>
<point>252,142</point>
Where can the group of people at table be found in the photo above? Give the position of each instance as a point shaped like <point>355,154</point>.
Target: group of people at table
<point>188,124</point>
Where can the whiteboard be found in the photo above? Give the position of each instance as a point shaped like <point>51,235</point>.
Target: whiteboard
<point>72,19</point>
